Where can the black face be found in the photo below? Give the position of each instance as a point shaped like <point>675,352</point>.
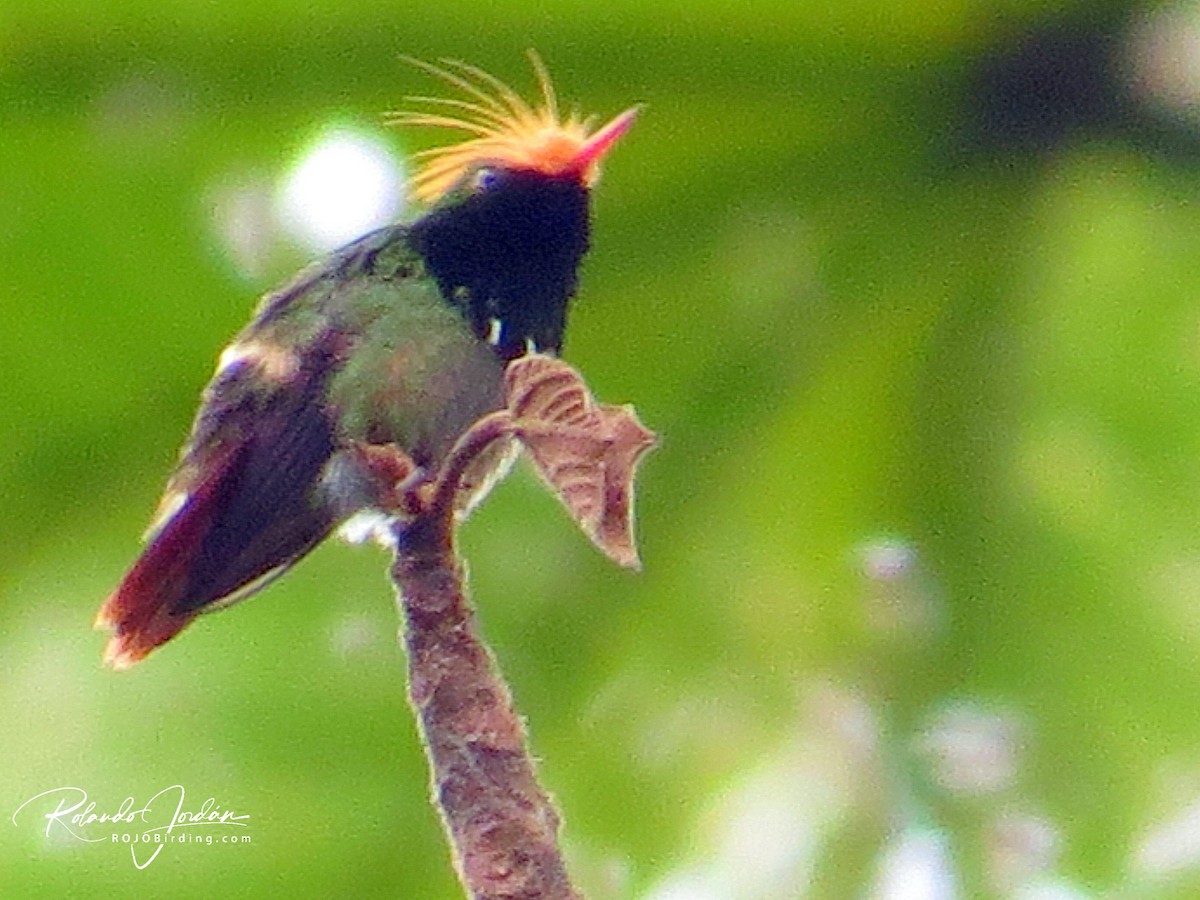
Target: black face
<point>505,246</point>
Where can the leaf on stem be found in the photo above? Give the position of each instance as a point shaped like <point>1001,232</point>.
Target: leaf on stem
<point>587,453</point>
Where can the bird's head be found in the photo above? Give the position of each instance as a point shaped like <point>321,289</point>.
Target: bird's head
<point>506,134</point>
<point>507,221</point>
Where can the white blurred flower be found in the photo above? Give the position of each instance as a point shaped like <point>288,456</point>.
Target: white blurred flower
<point>972,750</point>
<point>916,866</point>
<point>346,184</point>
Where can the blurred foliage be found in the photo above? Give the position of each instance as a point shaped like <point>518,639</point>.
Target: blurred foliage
<point>927,368</point>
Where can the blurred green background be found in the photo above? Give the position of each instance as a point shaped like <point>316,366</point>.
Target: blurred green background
<point>912,293</point>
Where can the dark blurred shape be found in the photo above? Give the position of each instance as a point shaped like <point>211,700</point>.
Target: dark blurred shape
<point>1034,89</point>
<point>1113,72</point>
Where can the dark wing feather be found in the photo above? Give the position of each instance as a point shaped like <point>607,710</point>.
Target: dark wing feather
<point>253,504</point>
<point>271,512</point>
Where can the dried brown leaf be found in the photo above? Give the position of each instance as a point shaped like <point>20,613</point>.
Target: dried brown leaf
<point>586,453</point>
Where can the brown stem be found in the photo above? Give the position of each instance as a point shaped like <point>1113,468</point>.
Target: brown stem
<point>502,826</point>
<point>469,447</point>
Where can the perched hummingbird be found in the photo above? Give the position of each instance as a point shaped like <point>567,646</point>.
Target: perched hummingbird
<point>398,340</point>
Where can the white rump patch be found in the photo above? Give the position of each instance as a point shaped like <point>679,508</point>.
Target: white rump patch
<point>367,525</point>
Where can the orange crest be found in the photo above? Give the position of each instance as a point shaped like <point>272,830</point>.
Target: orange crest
<point>506,130</point>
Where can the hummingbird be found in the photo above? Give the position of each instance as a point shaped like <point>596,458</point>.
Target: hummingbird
<point>397,341</point>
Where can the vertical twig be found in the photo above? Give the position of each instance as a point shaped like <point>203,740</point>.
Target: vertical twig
<point>503,829</point>
<point>502,826</point>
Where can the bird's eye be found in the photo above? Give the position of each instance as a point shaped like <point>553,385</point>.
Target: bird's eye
<point>485,179</point>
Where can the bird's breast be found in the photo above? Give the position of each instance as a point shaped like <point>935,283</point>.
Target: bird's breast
<point>416,377</point>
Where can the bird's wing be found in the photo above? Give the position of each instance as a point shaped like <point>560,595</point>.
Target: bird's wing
<point>245,502</point>
<point>248,498</point>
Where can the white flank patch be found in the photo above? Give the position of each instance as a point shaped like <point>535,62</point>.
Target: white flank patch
<point>275,363</point>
